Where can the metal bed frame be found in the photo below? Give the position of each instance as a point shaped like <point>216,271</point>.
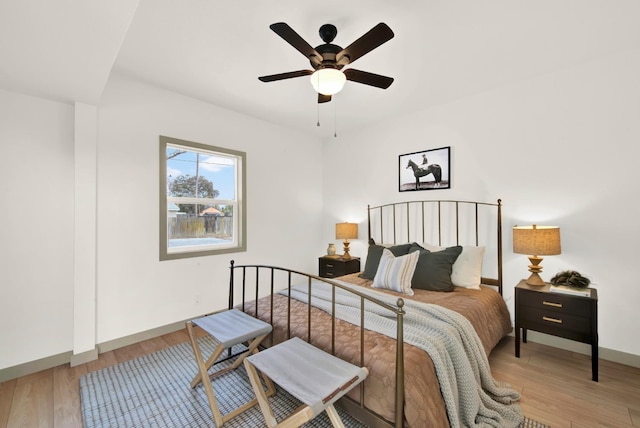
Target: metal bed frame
<point>241,275</point>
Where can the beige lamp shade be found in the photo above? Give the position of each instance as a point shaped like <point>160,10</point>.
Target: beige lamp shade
<point>346,231</point>
<point>536,241</point>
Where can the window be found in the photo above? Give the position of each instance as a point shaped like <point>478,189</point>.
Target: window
<point>202,199</point>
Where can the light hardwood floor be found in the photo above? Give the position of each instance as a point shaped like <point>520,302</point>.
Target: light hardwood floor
<point>556,387</point>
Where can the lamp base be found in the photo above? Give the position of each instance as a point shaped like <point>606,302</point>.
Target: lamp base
<point>535,280</point>
<point>346,255</point>
<point>535,269</point>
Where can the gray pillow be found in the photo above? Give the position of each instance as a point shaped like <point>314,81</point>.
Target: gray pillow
<point>433,271</point>
<point>374,254</point>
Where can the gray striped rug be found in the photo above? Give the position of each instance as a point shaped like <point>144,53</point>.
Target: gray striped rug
<point>154,391</point>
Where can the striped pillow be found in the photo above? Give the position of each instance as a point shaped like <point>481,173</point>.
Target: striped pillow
<point>395,273</point>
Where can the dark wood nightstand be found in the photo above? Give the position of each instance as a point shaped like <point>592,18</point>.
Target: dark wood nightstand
<point>558,314</point>
<point>331,267</point>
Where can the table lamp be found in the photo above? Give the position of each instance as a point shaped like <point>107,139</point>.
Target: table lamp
<point>539,241</point>
<point>346,231</point>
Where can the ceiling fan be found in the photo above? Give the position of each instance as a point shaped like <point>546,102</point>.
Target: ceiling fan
<point>328,59</point>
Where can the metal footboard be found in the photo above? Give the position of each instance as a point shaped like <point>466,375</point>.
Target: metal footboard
<point>251,282</point>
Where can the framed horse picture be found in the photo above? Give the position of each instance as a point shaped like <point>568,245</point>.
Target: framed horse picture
<point>425,170</point>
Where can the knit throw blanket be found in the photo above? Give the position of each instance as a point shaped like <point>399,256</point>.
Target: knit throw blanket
<point>472,396</point>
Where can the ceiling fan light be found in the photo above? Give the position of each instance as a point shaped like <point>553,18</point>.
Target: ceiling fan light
<point>328,81</point>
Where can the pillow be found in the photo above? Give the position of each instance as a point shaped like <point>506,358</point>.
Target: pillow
<point>433,271</point>
<point>373,257</point>
<point>467,270</point>
<point>395,273</point>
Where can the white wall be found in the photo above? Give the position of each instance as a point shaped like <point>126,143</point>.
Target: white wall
<point>561,149</point>
<point>137,292</point>
<point>36,228</point>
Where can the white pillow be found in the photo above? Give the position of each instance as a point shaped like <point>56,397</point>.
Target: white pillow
<point>395,273</point>
<point>467,270</point>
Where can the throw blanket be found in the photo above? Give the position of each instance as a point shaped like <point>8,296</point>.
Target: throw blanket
<point>471,395</point>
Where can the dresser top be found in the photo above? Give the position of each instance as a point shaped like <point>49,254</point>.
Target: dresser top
<point>546,289</point>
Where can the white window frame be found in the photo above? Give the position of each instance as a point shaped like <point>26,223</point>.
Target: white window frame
<point>238,243</point>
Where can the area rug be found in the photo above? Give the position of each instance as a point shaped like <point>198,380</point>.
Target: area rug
<point>153,391</point>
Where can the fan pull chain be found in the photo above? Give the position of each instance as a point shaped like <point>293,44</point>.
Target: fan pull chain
<point>318,101</point>
<point>335,118</point>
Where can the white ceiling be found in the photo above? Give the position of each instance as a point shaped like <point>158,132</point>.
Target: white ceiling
<point>214,51</point>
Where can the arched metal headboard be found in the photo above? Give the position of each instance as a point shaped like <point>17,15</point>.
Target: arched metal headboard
<point>443,223</point>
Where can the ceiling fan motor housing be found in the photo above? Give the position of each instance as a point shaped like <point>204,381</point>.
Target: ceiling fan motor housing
<point>328,52</point>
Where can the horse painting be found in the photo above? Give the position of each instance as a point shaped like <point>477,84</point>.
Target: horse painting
<point>421,172</point>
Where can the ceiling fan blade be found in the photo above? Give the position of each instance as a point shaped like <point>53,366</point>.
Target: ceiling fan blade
<point>282,76</point>
<point>290,36</point>
<point>378,35</point>
<point>367,78</point>
<point>323,98</point>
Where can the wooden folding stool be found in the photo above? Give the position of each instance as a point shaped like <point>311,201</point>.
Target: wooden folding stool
<point>228,328</point>
<point>313,376</point>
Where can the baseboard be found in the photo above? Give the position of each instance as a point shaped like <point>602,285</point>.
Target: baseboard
<point>85,357</point>
<point>620,357</point>
<point>34,366</point>
<point>139,337</point>
<point>583,348</point>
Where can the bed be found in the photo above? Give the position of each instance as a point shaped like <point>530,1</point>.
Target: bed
<point>369,321</point>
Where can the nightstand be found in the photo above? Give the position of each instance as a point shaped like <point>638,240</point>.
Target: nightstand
<point>331,267</point>
<point>563,315</point>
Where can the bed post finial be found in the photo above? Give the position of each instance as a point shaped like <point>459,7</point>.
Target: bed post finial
<point>369,223</point>
<point>231,285</point>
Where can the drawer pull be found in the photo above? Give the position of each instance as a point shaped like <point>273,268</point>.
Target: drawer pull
<point>329,273</point>
<point>555,320</point>
<point>555,305</point>
<point>328,265</point>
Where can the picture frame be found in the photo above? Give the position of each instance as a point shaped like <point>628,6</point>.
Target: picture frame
<point>425,170</point>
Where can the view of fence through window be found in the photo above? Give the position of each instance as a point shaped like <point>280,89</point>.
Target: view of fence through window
<point>202,198</point>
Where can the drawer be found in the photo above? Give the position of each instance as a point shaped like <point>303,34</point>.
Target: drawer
<point>553,321</point>
<point>331,269</point>
<point>555,302</point>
